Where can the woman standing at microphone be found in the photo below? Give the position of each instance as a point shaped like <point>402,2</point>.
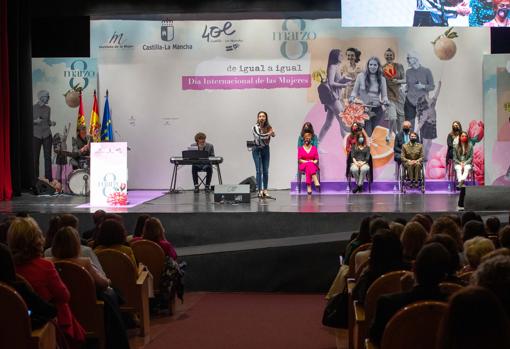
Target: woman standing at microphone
<point>262,133</point>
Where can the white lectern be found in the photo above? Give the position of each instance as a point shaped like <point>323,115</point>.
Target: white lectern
<point>108,174</point>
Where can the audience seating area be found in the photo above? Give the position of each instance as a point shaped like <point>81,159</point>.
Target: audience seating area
<point>403,304</point>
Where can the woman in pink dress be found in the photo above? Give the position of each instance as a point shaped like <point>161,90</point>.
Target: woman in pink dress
<point>308,159</point>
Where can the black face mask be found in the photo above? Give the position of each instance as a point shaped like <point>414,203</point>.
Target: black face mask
<point>406,130</point>
<point>413,140</point>
<point>456,128</point>
<point>503,12</point>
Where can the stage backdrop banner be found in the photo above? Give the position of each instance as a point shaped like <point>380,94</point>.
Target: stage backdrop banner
<point>496,86</point>
<point>108,174</point>
<point>169,80</point>
<point>58,77</point>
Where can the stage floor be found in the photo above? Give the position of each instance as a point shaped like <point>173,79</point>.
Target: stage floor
<point>150,201</point>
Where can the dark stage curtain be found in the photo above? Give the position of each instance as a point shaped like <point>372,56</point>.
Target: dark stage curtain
<point>5,156</point>
<point>20,83</point>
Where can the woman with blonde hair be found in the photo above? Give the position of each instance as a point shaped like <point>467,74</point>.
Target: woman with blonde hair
<point>26,242</point>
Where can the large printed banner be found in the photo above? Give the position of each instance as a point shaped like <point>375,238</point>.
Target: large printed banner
<point>169,80</point>
<point>55,108</point>
<point>496,83</point>
<point>426,13</point>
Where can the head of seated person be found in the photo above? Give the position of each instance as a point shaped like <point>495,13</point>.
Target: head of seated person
<point>473,229</point>
<point>453,251</point>
<point>386,253</point>
<point>153,230</point>
<point>432,265</point>
<point>413,237</point>
<point>474,319</point>
<point>504,237</point>
<point>445,225</point>
<point>111,233</point>
<point>492,225</point>
<point>470,216</point>
<point>25,240</point>
<point>494,275</point>
<point>66,243</point>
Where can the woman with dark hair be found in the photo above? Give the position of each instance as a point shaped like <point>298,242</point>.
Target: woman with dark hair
<point>307,128</point>
<point>54,224</point>
<point>262,133</point>
<point>352,138</point>
<point>413,238</point>
<point>370,87</point>
<point>350,69</point>
<point>453,250</point>
<point>308,160</point>
<point>453,139</point>
<point>360,156</point>
<point>474,319</point>
<point>154,231</point>
<point>363,237</point>
<point>385,256</point>
<point>463,158</point>
<point>26,243</point>
<point>140,222</point>
<point>336,83</point>
<point>112,234</point>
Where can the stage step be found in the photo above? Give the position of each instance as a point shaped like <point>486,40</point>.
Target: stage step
<point>378,187</point>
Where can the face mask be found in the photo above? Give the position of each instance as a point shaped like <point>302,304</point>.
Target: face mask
<point>463,139</point>
<point>361,140</point>
<point>503,12</point>
<point>405,129</point>
<point>456,128</point>
<point>413,140</point>
<point>307,141</point>
<point>354,129</point>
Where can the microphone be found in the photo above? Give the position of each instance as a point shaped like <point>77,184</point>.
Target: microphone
<point>120,139</point>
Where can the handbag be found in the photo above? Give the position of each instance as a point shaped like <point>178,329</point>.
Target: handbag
<point>335,313</point>
<point>326,95</point>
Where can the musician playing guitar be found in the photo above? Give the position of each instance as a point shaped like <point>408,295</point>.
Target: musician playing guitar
<point>81,148</point>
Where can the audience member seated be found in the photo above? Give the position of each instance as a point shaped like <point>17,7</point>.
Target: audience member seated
<point>474,320</point>
<point>140,221</point>
<point>412,159</point>
<point>425,221</point>
<point>26,243</point>
<point>397,228</point>
<point>470,216</point>
<point>472,229</point>
<point>359,162</point>
<point>53,225</point>
<point>112,235</point>
<point>58,222</point>
<point>494,275</point>
<point>375,225</point>
<point>456,218</point>
<point>385,256</point>
<point>4,227</point>
<point>504,237</point>
<point>445,225</point>
<point>474,250</point>
<point>492,225</point>
<point>308,162</point>
<point>97,218</point>
<point>153,230</point>
<point>413,238</point>
<point>401,220</point>
<point>430,269</point>
<point>363,237</point>
<point>463,158</point>
<point>40,311</point>
<point>66,246</point>
<point>454,264</point>
<point>453,140</point>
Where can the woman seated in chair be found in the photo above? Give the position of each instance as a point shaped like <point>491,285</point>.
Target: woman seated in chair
<point>153,230</point>
<point>412,159</point>
<point>308,159</point>
<point>307,128</point>
<point>66,246</point>
<point>26,242</point>
<point>352,138</point>
<point>360,155</point>
<point>452,140</point>
<point>463,158</point>
<point>112,234</point>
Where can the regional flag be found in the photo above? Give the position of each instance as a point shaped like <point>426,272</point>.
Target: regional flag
<point>95,125</point>
<point>106,128</point>
<point>81,116</point>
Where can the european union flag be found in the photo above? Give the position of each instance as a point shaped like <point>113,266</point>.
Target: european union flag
<point>106,127</point>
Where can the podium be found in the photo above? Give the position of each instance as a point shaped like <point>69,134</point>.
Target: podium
<point>108,174</point>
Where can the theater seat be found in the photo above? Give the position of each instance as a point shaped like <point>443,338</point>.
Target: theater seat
<point>86,308</point>
<point>15,328</point>
<point>134,286</point>
<point>449,288</point>
<point>152,256</point>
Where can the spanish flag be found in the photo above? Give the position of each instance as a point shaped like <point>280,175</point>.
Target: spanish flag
<point>95,125</point>
<point>81,116</point>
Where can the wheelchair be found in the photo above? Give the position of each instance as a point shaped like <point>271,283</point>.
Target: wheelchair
<point>405,182</point>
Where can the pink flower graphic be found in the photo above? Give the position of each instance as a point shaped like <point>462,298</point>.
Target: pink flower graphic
<point>436,166</point>
<point>478,164</point>
<point>117,199</point>
<point>476,130</point>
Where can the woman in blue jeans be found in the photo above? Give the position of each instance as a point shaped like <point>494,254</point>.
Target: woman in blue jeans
<point>262,133</point>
